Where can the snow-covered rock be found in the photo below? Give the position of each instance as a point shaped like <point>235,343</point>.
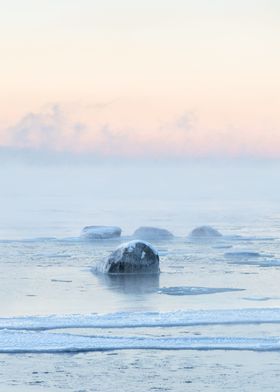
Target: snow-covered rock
<point>152,233</point>
<point>205,232</point>
<point>131,258</point>
<point>101,232</point>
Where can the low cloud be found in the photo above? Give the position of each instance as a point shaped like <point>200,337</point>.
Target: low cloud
<point>59,130</point>
<point>50,130</point>
<point>89,132</point>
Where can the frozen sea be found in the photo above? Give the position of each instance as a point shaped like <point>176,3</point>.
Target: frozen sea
<point>210,321</point>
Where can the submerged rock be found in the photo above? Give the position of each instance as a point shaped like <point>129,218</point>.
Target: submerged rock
<point>131,258</point>
<point>205,232</point>
<point>152,233</point>
<point>101,232</point>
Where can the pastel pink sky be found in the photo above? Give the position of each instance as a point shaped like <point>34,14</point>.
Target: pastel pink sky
<point>165,78</point>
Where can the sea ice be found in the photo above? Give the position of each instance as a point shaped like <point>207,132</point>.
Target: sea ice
<point>242,254</point>
<point>178,318</point>
<point>184,290</point>
<point>46,342</point>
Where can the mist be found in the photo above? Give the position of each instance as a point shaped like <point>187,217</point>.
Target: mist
<point>59,194</point>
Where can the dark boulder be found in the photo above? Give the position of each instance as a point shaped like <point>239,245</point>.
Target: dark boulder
<point>134,257</point>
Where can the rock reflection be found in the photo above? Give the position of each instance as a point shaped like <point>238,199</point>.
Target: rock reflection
<point>131,283</point>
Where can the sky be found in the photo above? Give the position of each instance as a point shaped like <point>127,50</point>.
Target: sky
<point>138,79</point>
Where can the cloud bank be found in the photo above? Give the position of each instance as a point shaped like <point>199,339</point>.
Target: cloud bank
<point>93,132</point>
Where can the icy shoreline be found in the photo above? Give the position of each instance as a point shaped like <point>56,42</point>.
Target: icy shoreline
<point>144,319</point>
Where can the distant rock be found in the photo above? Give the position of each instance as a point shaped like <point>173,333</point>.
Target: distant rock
<point>133,257</point>
<point>152,233</point>
<point>205,232</point>
<point>101,232</point>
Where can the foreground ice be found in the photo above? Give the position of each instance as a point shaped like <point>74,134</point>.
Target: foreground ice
<point>242,254</point>
<point>265,263</point>
<point>144,319</point>
<point>46,342</point>
<point>184,290</point>
<point>259,298</point>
